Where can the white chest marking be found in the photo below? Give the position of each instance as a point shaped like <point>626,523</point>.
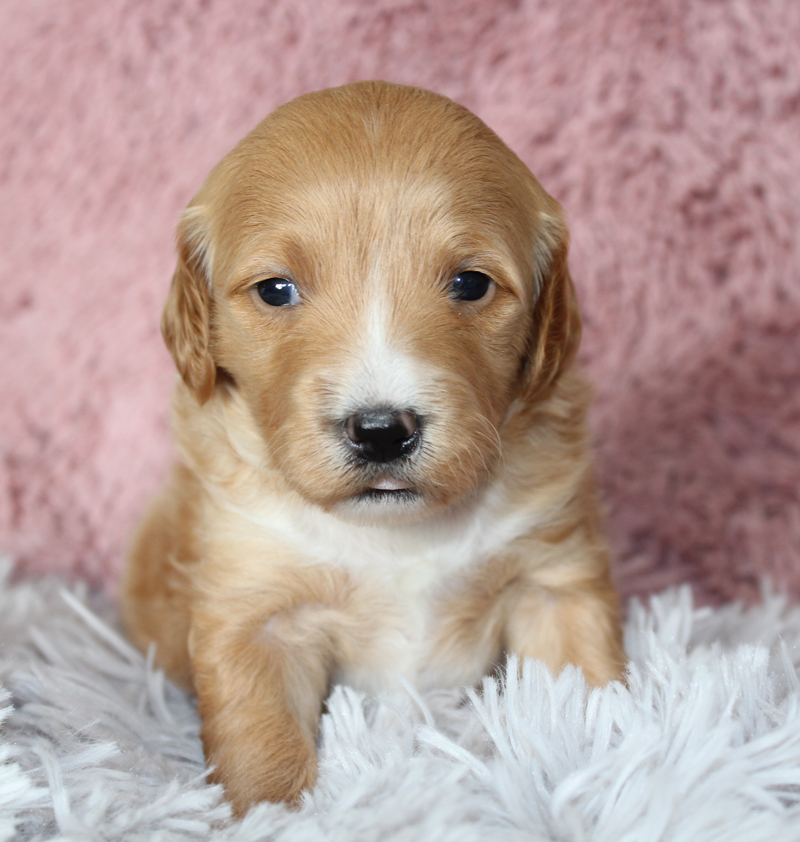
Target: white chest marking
<point>410,566</point>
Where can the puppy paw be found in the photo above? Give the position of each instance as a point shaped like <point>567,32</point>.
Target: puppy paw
<point>262,764</point>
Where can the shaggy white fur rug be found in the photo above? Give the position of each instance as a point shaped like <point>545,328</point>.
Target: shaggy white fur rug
<point>704,743</point>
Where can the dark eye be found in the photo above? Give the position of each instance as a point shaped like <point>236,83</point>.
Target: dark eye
<point>469,286</point>
<point>278,292</point>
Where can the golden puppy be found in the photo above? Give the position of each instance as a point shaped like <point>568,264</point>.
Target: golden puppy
<point>383,454</point>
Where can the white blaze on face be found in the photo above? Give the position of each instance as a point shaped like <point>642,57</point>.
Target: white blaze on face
<point>383,374</point>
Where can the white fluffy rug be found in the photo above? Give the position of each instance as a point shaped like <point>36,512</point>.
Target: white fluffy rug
<point>704,744</point>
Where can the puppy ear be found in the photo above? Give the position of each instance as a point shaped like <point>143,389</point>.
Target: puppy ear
<point>556,319</point>
<point>186,321</point>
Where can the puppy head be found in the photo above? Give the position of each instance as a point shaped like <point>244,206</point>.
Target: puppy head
<point>383,282</point>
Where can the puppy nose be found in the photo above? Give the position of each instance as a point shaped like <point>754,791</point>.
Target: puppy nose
<point>382,435</point>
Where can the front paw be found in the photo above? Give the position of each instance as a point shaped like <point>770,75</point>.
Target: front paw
<point>273,761</point>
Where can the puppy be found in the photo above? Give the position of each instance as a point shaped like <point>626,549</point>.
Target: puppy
<point>383,469</point>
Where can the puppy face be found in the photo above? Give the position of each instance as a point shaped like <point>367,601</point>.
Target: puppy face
<point>385,284</point>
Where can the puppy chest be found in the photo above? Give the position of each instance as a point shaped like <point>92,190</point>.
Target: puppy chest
<point>406,627</point>
<point>387,606</point>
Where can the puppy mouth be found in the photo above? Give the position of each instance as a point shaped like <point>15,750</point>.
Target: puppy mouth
<point>389,483</point>
<point>389,489</point>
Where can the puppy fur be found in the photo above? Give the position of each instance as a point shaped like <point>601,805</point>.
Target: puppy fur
<point>277,560</point>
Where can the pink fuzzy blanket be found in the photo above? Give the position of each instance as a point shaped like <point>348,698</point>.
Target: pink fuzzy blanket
<point>669,130</point>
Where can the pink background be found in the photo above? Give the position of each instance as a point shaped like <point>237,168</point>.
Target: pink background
<point>669,129</point>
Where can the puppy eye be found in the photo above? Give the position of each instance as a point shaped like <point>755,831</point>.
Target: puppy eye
<point>469,286</point>
<point>278,292</point>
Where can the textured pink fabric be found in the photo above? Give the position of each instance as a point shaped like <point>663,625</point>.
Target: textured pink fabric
<point>669,129</point>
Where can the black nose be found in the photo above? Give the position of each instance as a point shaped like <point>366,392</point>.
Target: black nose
<point>382,435</point>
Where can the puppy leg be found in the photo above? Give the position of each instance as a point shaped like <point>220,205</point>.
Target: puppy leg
<point>259,696</point>
<point>577,624</point>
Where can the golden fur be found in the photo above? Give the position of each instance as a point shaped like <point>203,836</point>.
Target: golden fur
<point>267,568</point>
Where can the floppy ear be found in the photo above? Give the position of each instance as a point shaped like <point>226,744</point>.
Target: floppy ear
<point>556,319</point>
<point>186,320</point>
